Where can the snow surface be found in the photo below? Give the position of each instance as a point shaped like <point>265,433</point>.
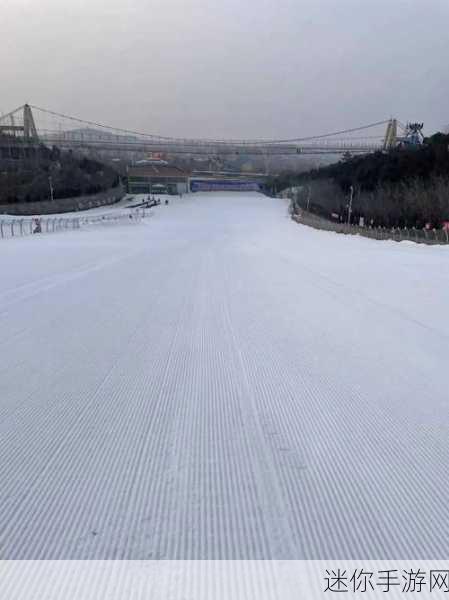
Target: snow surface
<point>221,382</point>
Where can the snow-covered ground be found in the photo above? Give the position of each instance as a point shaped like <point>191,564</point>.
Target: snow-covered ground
<point>220,382</point>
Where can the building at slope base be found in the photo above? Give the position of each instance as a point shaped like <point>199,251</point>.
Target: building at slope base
<point>156,179</point>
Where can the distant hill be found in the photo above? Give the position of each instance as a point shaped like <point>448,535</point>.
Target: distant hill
<point>91,135</point>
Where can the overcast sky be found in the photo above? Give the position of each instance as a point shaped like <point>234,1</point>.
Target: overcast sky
<point>229,68</point>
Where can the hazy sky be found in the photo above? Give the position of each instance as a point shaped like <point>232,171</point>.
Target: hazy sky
<point>229,68</point>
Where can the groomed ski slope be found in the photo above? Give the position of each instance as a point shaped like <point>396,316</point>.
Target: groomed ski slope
<point>220,382</point>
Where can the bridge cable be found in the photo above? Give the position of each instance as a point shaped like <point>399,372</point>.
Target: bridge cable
<point>207,140</point>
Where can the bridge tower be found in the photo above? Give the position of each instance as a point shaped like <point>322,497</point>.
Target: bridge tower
<point>29,126</point>
<point>20,123</point>
<point>391,135</point>
<point>19,139</point>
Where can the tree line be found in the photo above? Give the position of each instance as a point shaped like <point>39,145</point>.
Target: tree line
<point>50,171</point>
<point>405,187</point>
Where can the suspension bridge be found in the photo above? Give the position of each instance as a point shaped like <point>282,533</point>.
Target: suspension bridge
<point>29,125</point>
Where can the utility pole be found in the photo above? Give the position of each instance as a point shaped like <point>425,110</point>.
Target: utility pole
<point>351,195</point>
<point>51,188</point>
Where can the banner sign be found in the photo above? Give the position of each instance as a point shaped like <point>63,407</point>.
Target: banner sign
<point>223,185</point>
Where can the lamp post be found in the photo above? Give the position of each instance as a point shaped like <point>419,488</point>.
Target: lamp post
<point>351,195</point>
<point>51,188</point>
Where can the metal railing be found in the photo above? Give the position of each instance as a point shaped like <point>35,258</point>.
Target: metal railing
<point>11,227</point>
<point>398,234</point>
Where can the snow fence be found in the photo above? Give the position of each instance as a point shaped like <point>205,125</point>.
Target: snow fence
<point>397,234</point>
<point>11,227</point>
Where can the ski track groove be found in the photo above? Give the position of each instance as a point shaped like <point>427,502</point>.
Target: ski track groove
<point>355,548</point>
<point>222,384</point>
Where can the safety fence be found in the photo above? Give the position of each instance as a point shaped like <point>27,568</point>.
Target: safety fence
<point>398,234</point>
<point>11,227</point>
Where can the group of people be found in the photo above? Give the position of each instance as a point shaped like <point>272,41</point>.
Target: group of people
<point>153,201</point>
